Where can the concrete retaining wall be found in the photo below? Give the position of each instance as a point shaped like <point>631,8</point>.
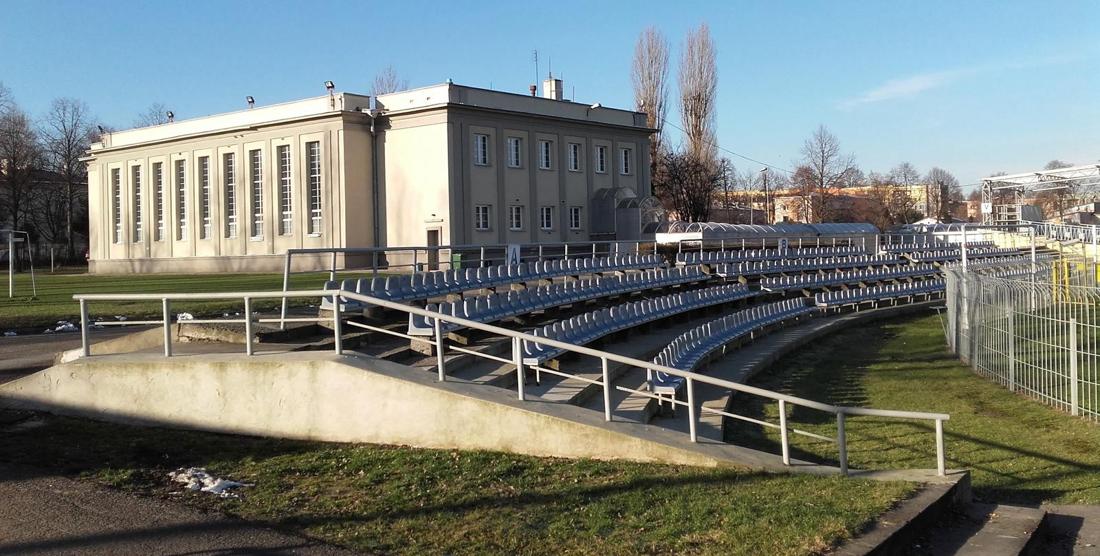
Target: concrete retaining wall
<point>320,396</point>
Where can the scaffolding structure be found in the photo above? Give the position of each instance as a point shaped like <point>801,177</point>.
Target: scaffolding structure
<point>1003,196</point>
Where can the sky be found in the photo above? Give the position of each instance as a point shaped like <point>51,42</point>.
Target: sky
<point>972,87</point>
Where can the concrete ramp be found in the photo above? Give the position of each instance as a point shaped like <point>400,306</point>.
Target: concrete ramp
<point>349,398</point>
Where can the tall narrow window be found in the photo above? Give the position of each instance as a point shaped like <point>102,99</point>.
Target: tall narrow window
<point>256,177</point>
<point>481,149</point>
<point>286,199</point>
<point>515,152</point>
<point>158,200</point>
<point>313,159</point>
<point>515,217</point>
<point>481,217</point>
<point>545,150</point>
<point>574,157</point>
<point>204,196</point>
<point>139,220</point>
<point>229,193</point>
<point>546,218</point>
<point>574,218</point>
<point>116,203</point>
<point>601,159</point>
<point>625,167</point>
<point>181,200</point>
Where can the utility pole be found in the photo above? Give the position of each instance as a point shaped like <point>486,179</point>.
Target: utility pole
<point>767,218</point>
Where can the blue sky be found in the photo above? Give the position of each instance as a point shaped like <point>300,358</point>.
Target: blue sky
<point>973,87</point>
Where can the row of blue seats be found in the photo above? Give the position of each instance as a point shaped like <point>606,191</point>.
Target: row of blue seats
<point>714,257</point>
<point>426,285</point>
<point>586,328</point>
<point>885,292</point>
<point>503,305</point>
<point>803,265</point>
<point>956,254</point>
<point>934,246</point>
<point>692,347</point>
<point>994,263</point>
<point>808,281</point>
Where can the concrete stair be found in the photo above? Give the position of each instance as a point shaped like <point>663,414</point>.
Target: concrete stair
<point>979,529</point>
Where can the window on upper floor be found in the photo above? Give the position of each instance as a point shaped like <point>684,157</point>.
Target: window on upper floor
<point>545,154</point>
<point>574,218</point>
<point>481,149</point>
<point>546,218</point>
<point>626,161</point>
<point>515,217</point>
<point>601,159</point>
<point>515,152</point>
<point>574,157</point>
<point>481,217</point>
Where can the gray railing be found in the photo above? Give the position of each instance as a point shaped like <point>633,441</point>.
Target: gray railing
<point>691,379</point>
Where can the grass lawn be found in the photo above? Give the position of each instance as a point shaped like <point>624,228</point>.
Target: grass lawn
<point>1018,450</point>
<point>384,499</point>
<point>55,294</point>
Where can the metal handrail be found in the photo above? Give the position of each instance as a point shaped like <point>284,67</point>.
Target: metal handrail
<point>517,338</point>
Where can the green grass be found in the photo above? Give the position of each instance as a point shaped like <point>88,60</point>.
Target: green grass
<point>383,499</point>
<point>1018,450</point>
<point>55,294</point>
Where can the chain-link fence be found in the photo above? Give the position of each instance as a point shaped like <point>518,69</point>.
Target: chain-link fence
<point>1032,327</point>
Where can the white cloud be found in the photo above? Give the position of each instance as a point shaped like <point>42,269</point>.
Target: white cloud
<point>902,88</point>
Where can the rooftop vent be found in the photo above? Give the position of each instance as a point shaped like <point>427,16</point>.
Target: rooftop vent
<point>552,88</point>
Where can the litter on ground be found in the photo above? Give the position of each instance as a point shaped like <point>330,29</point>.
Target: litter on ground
<point>196,478</point>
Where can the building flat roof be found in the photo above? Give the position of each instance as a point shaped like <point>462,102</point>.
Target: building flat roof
<point>391,105</point>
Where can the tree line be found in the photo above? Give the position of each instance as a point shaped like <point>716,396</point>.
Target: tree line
<point>691,179</point>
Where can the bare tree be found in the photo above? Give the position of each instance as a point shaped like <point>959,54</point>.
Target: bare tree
<point>5,98</point>
<point>387,81</point>
<point>821,175</point>
<point>67,133</point>
<point>20,159</point>
<point>156,114</point>
<point>698,88</point>
<point>650,78</point>
<point>688,185</point>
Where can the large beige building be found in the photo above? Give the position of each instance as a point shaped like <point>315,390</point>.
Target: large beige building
<point>439,165</point>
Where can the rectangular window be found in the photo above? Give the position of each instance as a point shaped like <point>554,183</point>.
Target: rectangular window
<point>204,196</point>
<point>545,150</point>
<point>574,218</point>
<point>601,159</point>
<point>116,203</point>
<point>286,199</point>
<point>574,157</point>
<point>313,163</point>
<point>229,176</point>
<point>139,220</point>
<point>515,217</point>
<point>181,200</point>
<point>481,149</point>
<point>546,218</point>
<point>158,200</point>
<point>256,205</point>
<point>481,217</point>
<point>515,152</point>
<point>625,156</point>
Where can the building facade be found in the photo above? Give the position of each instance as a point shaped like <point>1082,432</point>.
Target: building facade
<point>440,165</point>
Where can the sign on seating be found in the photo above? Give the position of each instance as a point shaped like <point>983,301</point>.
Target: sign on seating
<point>512,256</point>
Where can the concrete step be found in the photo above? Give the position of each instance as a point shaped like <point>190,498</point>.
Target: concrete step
<point>983,529</point>
<point>1069,530</point>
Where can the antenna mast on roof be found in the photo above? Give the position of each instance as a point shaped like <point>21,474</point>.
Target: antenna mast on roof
<point>536,66</point>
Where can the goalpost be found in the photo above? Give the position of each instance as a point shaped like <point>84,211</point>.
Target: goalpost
<point>24,237</point>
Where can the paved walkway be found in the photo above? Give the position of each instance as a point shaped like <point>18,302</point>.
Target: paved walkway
<point>57,515</point>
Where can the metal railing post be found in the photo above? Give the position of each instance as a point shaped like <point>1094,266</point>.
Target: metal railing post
<point>286,286</point>
<point>166,310</point>
<point>85,347</point>
<point>1011,316</point>
<point>481,257</point>
<point>440,360</point>
<point>248,325</point>
<point>1074,406</point>
<point>517,358</point>
<point>783,438</point>
<point>332,270</point>
<point>606,390</point>
<point>337,325</point>
<point>691,409</point>
<point>842,442</point>
<point>941,456</point>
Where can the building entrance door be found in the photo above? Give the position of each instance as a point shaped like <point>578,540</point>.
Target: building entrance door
<point>433,254</point>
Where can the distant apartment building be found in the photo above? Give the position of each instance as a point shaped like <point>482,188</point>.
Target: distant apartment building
<point>439,165</point>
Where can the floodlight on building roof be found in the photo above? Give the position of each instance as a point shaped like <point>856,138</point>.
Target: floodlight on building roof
<point>595,106</point>
<point>330,85</point>
<point>171,116</point>
<point>251,101</point>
